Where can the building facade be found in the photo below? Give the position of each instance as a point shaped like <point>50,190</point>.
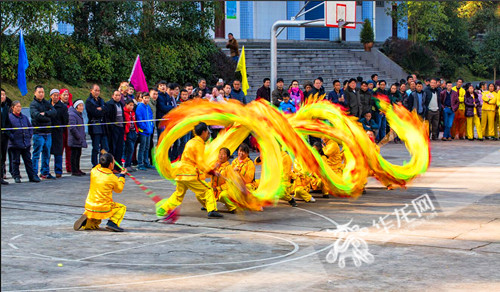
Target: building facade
<point>253,20</point>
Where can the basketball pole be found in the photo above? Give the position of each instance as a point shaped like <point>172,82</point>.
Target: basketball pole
<point>274,39</point>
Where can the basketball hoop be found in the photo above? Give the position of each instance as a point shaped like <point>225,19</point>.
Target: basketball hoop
<point>340,12</point>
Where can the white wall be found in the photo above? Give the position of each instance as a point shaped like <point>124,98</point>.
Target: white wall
<point>233,25</point>
<point>265,13</point>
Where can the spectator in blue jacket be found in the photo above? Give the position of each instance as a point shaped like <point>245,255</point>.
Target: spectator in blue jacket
<point>20,143</point>
<point>286,105</point>
<point>164,103</point>
<point>337,94</point>
<point>368,123</point>
<point>237,92</point>
<point>144,115</point>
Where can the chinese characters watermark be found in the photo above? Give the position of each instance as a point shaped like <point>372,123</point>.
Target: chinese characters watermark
<point>349,243</point>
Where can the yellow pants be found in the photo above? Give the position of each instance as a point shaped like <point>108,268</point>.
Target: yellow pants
<point>300,192</point>
<point>497,123</point>
<point>224,198</point>
<point>202,191</point>
<point>471,122</point>
<point>118,212</point>
<point>488,123</point>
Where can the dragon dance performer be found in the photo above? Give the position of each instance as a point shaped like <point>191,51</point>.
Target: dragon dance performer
<point>219,183</point>
<point>286,178</point>
<point>99,204</point>
<point>246,168</point>
<point>190,175</point>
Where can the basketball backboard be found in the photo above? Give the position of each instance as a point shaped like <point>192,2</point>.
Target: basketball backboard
<point>340,11</point>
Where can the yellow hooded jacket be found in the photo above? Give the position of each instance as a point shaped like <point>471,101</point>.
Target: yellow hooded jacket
<point>99,201</point>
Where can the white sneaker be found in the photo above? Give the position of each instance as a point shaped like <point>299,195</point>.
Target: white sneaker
<point>312,200</point>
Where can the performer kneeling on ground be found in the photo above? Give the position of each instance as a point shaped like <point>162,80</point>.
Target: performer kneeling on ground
<point>245,167</point>
<point>219,183</point>
<point>99,204</point>
<point>189,175</point>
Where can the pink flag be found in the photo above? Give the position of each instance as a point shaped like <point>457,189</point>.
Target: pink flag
<point>137,77</point>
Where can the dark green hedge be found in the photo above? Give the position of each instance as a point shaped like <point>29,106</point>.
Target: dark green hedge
<point>74,62</point>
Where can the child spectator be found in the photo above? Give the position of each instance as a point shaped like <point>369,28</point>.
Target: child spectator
<point>286,105</point>
<point>144,115</point>
<point>368,123</point>
<point>296,95</point>
<point>76,137</point>
<point>130,133</point>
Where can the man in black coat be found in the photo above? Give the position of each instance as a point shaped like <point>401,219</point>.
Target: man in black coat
<point>116,132</point>
<point>5,106</point>
<point>42,113</point>
<point>96,112</point>
<point>366,98</point>
<point>277,95</point>
<point>265,91</point>
<point>417,100</point>
<point>61,118</point>
<point>352,97</point>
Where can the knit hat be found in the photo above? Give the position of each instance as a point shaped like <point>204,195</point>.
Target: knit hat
<point>54,91</point>
<point>77,103</point>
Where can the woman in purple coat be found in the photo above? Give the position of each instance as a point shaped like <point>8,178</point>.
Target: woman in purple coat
<point>472,112</point>
<point>20,143</point>
<point>76,136</point>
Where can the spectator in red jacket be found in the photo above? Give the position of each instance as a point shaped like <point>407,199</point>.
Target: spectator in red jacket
<point>130,133</point>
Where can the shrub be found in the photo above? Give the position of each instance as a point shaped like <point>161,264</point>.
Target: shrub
<point>366,35</point>
<point>74,61</point>
<point>420,60</point>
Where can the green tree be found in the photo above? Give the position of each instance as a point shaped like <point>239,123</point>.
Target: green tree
<point>489,53</point>
<point>480,16</point>
<point>28,16</point>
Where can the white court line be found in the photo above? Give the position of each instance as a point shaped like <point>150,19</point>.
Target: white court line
<point>13,246</point>
<point>317,214</point>
<point>197,276</point>
<point>181,278</point>
<point>17,236</point>
<point>295,250</point>
<point>143,245</point>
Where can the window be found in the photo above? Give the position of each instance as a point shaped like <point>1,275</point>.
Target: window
<point>379,4</point>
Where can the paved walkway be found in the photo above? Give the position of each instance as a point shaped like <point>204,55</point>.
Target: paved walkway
<point>449,238</point>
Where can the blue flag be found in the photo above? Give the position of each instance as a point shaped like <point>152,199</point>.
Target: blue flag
<point>22,66</point>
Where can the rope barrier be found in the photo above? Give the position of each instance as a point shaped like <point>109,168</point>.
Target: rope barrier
<point>79,125</point>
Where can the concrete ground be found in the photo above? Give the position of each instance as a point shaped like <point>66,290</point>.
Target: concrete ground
<point>449,238</point>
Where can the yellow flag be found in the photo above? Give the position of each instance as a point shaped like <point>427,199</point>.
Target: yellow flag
<point>242,67</point>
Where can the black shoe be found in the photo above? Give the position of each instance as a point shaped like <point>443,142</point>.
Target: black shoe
<point>113,227</point>
<point>293,203</point>
<point>214,215</point>
<point>364,191</point>
<point>82,173</point>
<point>2,181</point>
<point>35,179</point>
<point>203,208</point>
<point>481,139</point>
<point>232,211</point>
<point>17,180</point>
<point>326,196</point>
<point>76,174</point>
<point>80,222</point>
